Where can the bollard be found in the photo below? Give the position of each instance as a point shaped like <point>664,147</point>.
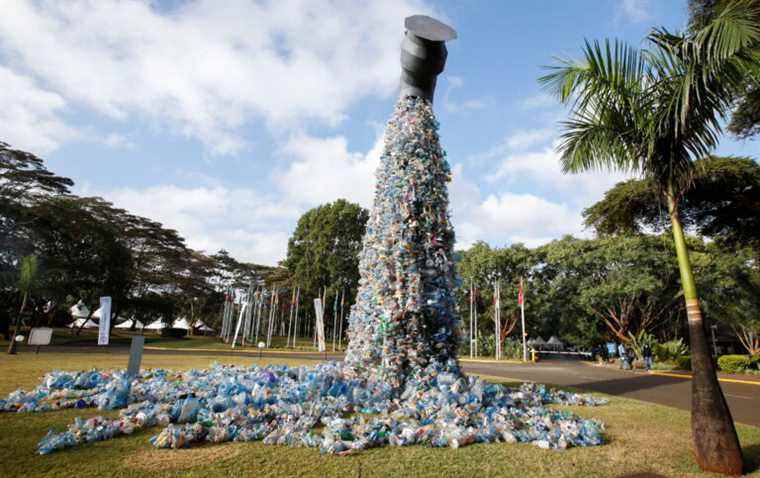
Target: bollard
<point>135,355</point>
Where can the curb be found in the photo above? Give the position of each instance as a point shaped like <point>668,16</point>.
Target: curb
<point>495,362</point>
<point>688,376</point>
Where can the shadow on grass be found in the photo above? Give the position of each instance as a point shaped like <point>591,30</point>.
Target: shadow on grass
<point>751,458</point>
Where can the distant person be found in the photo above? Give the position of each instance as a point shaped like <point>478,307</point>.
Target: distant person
<point>646,354</point>
<point>611,351</point>
<point>602,353</point>
<point>624,360</point>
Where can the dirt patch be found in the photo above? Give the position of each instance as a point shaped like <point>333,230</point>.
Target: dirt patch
<point>185,458</point>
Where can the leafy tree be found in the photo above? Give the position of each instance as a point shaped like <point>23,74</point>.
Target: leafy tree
<point>732,281</point>
<point>24,180</point>
<point>80,247</point>
<point>91,248</point>
<point>624,282</point>
<point>654,113</point>
<point>722,203</point>
<point>324,248</point>
<point>481,266</point>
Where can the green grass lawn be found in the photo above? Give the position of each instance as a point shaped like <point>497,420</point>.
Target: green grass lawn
<point>641,437</point>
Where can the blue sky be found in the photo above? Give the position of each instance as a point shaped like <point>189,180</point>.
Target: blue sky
<point>227,120</point>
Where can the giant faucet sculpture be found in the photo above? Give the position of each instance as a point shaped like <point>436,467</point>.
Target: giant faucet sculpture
<point>404,319</point>
<point>400,383</point>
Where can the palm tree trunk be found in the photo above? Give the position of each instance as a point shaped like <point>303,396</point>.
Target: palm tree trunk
<point>716,446</point>
<point>12,345</point>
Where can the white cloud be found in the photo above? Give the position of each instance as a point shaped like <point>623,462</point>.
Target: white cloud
<point>542,170</point>
<point>205,69</point>
<point>117,141</point>
<point>522,138</point>
<point>635,10</point>
<point>540,100</point>
<point>506,217</point>
<point>452,106</point>
<point>323,170</point>
<point>252,227</point>
<point>29,114</point>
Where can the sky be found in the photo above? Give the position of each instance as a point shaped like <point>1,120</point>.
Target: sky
<point>228,120</point>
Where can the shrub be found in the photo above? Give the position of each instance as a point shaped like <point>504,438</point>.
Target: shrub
<point>670,351</point>
<point>683,362</point>
<point>512,349</point>
<point>172,332</point>
<point>734,363</point>
<point>639,340</point>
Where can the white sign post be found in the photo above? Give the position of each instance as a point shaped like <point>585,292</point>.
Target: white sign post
<point>320,324</point>
<point>105,320</point>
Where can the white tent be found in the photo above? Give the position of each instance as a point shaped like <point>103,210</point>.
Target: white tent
<point>555,343</point>
<point>158,324</point>
<point>537,342</point>
<point>96,315</point>
<point>181,323</point>
<point>202,327</point>
<point>79,310</point>
<point>88,324</point>
<point>127,324</point>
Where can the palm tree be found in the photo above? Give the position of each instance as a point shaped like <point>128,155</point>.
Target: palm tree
<point>29,275</point>
<point>653,113</point>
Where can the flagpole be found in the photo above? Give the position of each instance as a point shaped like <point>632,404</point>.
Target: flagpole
<point>522,317</point>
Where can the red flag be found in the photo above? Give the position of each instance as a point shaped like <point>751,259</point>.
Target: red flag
<point>520,294</point>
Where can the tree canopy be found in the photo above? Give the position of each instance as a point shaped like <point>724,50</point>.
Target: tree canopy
<point>324,248</point>
<point>723,203</point>
<point>87,248</point>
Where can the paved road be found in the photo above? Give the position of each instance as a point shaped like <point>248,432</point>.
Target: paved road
<point>743,399</point>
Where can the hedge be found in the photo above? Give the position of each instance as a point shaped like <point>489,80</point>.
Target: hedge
<point>734,363</point>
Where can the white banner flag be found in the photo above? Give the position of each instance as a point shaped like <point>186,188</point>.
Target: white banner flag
<point>105,320</point>
<point>320,324</point>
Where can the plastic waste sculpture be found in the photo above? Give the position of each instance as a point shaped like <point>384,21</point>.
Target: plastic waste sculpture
<point>400,383</point>
<point>404,318</point>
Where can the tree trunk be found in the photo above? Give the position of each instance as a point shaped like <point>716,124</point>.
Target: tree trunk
<point>716,446</point>
<point>12,344</point>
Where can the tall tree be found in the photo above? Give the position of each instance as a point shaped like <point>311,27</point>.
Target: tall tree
<point>731,279</point>
<point>24,180</point>
<point>324,248</point>
<point>654,113</point>
<point>625,282</point>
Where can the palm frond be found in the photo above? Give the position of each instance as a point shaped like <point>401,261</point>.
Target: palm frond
<point>735,27</point>
<point>593,143</point>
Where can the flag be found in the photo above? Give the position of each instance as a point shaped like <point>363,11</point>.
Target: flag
<point>520,297</point>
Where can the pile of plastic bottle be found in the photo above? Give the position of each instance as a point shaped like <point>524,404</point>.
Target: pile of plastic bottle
<point>321,406</point>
